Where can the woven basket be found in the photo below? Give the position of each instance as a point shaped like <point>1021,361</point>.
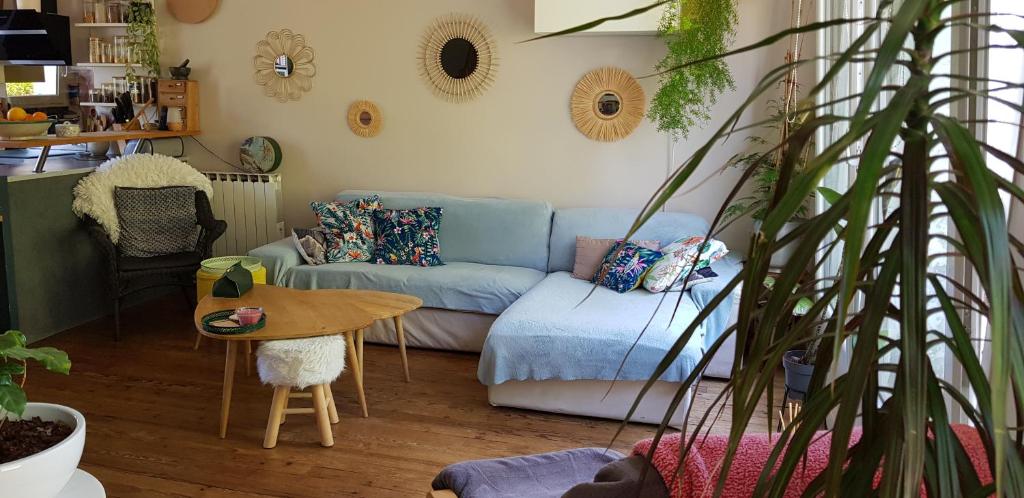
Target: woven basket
<point>217,266</point>
<point>223,315</point>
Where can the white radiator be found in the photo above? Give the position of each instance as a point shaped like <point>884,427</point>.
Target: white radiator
<point>251,205</point>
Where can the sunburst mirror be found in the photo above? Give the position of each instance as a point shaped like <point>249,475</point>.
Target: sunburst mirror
<point>458,57</point>
<point>364,118</point>
<point>284,65</point>
<point>607,104</point>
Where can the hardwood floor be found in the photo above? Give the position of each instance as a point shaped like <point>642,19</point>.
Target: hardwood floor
<point>151,405</point>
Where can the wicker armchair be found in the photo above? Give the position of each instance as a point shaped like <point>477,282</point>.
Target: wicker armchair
<point>128,275</point>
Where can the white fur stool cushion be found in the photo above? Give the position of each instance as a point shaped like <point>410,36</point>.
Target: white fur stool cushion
<point>301,363</point>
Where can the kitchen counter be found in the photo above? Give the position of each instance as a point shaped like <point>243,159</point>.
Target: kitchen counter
<point>132,139</point>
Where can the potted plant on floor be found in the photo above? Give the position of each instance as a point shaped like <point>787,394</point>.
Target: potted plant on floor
<point>910,158</point>
<point>40,443</point>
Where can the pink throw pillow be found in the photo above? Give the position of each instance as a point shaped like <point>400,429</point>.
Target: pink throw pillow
<point>590,252</point>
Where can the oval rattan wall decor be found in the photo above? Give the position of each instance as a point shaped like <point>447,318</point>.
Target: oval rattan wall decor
<point>458,57</point>
<point>607,104</point>
<point>364,118</point>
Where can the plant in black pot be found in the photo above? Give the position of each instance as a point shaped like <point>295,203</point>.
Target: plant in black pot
<point>40,443</point>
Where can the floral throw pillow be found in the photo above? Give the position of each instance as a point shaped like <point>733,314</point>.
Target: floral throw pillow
<point>624,271</point>
<point>349,227</point>
<point>678,257</point>
<point>408,236</point>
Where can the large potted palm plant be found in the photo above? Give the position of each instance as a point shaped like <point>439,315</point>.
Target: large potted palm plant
<point>914,161</point>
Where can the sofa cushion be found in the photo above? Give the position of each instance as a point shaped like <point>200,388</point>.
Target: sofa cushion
<point>349,227</point>
<point>591,252</point>
<point>487,231</point>
<point>455,286</point>
<point>623,270</point>
<point>613,224</point>
<point>408,236</point>
<point>555,332</point>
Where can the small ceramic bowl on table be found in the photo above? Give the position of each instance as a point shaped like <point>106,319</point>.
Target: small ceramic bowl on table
<point>248,316</point>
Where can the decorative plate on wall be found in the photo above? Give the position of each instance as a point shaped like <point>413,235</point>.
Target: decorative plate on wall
<point>260,154</point>
<point>607,104</point>
<point>458,57</point>
<point>191,11</point>
<point>284,65</point>
<point>364,118</point>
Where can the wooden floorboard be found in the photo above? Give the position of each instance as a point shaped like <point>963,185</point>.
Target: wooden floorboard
<point>151,405</point>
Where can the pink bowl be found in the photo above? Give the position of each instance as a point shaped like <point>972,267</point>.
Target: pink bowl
<point>249,316</point>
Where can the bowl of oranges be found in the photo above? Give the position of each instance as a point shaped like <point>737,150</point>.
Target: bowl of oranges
<point>21,124</point>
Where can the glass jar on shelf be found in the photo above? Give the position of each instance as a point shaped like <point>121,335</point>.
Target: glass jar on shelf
<point>113,11</point>
<point>89,11</point>
<point>100,11</point>
<point>120,85</point>
<point>95,49</point>
<point>120,49</point>
<point>108,53</point>
<point>108,92</point>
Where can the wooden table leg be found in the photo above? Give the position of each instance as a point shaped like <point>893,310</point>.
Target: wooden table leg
<point>357,374</point>
<point>199,338</point>
<point>401,345</point>
<point>359,349</point>
<point>248,358</point>
<point>229,381</point>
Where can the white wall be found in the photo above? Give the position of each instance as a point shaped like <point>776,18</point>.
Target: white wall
<point>516,140</point>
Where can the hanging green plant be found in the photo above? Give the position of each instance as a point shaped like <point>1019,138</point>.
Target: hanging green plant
<point>693,30</point>
<point>142,39</point>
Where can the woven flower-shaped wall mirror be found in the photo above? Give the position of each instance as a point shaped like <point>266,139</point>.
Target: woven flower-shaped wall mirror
<point>607,104</point>
<point>284,65</point>
<point>364,118</point>
<point>458,57</point>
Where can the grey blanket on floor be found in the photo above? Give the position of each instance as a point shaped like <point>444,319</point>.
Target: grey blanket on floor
<point>547,475</point>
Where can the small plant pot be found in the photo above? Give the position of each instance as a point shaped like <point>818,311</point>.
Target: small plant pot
<point>798,375</point>
<point>45,474</point>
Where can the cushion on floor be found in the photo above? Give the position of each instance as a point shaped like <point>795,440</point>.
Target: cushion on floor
<point>547,475</point>
<point>454,286</point>
<point>556,332</point>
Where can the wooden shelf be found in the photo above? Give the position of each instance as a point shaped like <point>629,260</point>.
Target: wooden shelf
<point>101,25</point>
<point>105,64</point>
<point>104,104</point>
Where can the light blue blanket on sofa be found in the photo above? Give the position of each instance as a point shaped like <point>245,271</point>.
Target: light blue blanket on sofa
<point>556,332</point>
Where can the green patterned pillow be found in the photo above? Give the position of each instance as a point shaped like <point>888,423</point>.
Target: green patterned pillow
<point>408,236</point>
<point>678,257</point>
<point>349,227</point>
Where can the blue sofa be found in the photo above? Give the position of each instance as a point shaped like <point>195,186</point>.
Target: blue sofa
<point>505,290</point>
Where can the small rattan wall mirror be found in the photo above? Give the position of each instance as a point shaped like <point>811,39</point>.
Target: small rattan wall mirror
<point>364,118</point>
<point>458,57</point>
<point>284,65</point>
<point>607,104</point>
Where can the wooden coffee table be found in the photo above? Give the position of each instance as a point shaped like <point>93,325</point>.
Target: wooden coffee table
<point>291,314</point>
<point>384,306</point>
<point>295,314</point>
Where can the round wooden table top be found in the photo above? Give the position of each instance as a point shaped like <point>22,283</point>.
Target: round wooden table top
<point>294,313</point>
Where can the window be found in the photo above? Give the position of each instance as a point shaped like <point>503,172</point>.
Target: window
<point>39,94</point>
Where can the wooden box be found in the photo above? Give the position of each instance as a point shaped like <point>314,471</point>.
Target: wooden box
<point>183,94</point>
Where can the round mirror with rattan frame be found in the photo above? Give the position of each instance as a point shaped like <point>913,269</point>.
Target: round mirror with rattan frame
<point>364,118</point>
<point>607,104</point>
<point>458,57</point>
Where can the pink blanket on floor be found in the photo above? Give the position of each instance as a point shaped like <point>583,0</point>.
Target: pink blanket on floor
<point>699,475</point>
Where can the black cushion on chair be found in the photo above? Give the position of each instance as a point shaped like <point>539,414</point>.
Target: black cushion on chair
<point>156,221</point>
<point>180,260</point>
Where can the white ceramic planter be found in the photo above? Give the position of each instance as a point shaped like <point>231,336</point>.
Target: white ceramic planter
<point>45,474</point>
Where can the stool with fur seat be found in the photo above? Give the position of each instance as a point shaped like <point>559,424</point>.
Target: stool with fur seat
<point>313,362</point>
